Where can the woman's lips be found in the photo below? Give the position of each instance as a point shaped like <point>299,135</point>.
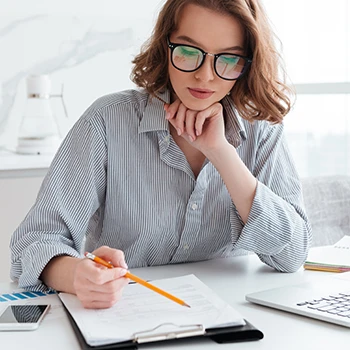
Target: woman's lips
<point>200,93</point>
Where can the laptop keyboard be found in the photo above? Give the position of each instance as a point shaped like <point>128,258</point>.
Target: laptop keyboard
<point>335,304</point>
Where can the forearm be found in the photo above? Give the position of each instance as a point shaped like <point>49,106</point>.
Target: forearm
<point>239,181</point>
<point>72,192</point>
<point>277,230</point>
<point>59,273</point>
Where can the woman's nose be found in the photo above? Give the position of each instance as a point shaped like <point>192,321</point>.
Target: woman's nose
<point>206,71</point>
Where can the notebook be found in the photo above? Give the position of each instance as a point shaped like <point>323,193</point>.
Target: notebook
<point>332,258</point>
<point>327,299</point>
<point>143,316</point>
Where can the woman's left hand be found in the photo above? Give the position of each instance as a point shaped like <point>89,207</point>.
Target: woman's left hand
<point>204,130</point>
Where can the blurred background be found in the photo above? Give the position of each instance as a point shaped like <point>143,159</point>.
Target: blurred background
<point>315,37</point>
<point>88,47</point>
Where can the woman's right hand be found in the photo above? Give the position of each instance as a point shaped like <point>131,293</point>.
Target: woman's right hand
<point>97,286</point>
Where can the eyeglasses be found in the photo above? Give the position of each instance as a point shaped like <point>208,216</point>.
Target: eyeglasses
<point>188,58</point>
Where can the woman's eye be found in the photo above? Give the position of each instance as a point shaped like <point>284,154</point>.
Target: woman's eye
<point>231,60</point>
<point>188,51</point>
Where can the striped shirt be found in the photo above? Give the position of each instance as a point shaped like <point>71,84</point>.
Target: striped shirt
<point>120,180</point>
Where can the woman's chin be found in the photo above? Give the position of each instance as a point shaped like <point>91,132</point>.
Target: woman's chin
<point>194,104</point>
<point>197,105</point>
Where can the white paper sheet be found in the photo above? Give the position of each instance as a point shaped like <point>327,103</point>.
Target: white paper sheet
<point>142,310</point>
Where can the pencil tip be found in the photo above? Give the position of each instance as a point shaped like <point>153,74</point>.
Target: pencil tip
<point>187,305</point>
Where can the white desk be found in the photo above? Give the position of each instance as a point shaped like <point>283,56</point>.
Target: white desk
<point>232,279</point>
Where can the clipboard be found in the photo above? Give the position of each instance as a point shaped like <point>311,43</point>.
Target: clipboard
<point>219,335</point>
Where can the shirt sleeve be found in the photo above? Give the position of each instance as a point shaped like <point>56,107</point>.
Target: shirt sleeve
<point>277,229</point>
<point>70,195</point>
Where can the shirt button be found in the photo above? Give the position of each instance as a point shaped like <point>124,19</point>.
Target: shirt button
<point>194,206</point>
<point>186,247</point>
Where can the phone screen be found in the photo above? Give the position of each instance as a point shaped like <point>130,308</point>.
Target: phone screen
<point>23,314</point>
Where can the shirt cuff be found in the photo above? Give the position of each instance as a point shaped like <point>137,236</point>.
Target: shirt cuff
<point>270,225</point>
<point>34,260</point>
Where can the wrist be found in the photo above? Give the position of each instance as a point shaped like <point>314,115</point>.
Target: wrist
<point>60,272</point>
<point>220,153</point>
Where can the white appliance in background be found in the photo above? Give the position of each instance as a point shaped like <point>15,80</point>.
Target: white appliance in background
<point>39,131</point>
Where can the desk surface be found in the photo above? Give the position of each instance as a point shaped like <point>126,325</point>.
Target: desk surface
<point>231,279</point>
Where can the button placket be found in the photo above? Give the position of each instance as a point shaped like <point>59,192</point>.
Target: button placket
<point>194,206</point>
<point>193,221</point>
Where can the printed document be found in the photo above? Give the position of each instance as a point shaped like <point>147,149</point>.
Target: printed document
<point>143,312</point>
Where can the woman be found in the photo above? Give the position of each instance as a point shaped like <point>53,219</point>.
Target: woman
<point>193,166</point>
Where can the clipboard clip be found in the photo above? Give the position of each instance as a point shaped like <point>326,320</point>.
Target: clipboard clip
<point>181,331</point>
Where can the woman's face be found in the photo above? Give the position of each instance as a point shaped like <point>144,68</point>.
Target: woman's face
<point>214,33</point>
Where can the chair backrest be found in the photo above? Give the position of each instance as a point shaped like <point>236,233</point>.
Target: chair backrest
<point>327,203</point>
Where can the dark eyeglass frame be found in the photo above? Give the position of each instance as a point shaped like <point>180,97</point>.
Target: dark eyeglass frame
<point>173,46</point>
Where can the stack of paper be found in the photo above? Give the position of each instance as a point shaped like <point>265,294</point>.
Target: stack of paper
<point>333,258</point>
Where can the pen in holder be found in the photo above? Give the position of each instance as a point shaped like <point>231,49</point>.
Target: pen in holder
<point>39,129</point>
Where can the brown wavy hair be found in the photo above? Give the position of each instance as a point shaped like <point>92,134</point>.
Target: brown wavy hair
<point>259,94</point>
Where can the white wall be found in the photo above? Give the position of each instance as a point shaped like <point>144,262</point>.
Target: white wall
<point>86,45</point>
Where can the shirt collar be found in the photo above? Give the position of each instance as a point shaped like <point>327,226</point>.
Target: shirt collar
<point>153,118</point>
<point>234,128</point>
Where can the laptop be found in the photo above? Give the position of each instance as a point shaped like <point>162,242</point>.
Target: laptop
<point>327,299</point>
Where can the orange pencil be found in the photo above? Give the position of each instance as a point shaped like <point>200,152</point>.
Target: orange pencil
<point>137,279</point>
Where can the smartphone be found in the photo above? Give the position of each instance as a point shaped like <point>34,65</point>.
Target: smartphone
<point>22,317</point>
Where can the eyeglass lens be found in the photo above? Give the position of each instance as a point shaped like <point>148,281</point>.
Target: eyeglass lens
<point>189,59</point>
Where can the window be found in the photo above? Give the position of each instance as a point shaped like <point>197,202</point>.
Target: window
<point>315,38</point>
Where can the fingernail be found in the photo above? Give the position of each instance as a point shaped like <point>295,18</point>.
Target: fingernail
<point>167,115</point>
<point>123,264</point>
<point>178,131</point>
<point>191,138</point>
<point>197,133</point>
<point>122,272</point>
